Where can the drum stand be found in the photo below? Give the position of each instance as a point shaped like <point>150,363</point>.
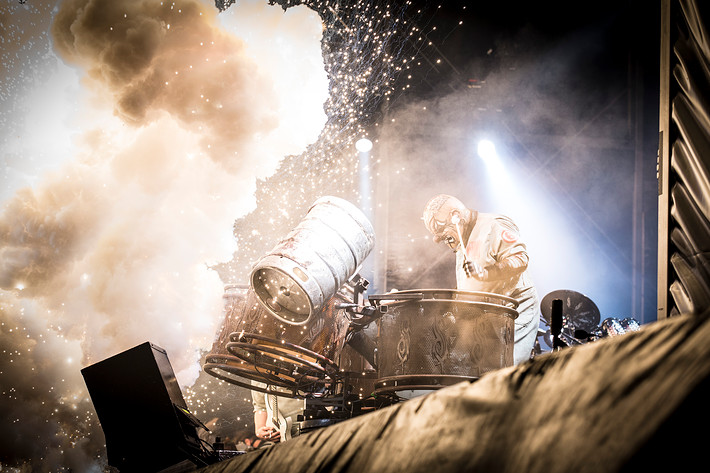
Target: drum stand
<point>351,399</point>
<point>253,357</point>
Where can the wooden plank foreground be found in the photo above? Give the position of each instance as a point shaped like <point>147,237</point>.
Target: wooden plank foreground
<point>634,402</point>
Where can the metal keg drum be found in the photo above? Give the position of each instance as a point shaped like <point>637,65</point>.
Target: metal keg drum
<point>254,346</point>
<point>306,269</point>
<point>430,338</point>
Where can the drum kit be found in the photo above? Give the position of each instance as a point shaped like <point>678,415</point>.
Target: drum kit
<point>580,321</point>
<point>304,328</point>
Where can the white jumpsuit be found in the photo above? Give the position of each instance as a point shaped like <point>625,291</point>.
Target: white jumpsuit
<point>495,240</point>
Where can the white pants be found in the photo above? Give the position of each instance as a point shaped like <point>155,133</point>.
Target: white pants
<point>526,325</point>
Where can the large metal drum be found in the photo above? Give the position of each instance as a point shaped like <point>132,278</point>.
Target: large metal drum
<point>316,258</point>
<point>301,358</point>
<point>431,338</point>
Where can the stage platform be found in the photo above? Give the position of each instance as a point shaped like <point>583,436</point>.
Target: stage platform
<point>634,402</point>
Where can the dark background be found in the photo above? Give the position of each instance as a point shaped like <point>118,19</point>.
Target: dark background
<point>568,92</point>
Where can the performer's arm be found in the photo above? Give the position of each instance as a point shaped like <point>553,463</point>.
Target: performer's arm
<point>507,268</point>
<point>260,428</point>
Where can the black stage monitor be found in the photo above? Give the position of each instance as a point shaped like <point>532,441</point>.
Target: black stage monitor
<point>145,420</point>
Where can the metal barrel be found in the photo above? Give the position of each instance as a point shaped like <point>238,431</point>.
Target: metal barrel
<point>431,338</point>
<point>307,267</point>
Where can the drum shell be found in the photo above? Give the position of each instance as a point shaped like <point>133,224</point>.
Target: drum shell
<point>444,337</point>
<point>319,255</point>
<point>234,299</point>
<point>323,335</point>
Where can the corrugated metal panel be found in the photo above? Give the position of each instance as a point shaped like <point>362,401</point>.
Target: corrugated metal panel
<point>684,180</point>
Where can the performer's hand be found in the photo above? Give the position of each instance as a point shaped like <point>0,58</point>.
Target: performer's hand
<point>268,433</point>
<point>472,270</point>
<point>481,275</point>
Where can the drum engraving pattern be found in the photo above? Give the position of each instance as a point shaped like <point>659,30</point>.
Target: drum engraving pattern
<point>403,345</point>
<point>440,347</point>
<point>432,338</point>
<point>444,331</point>
<point>315,330</point>
<point>252,316</point>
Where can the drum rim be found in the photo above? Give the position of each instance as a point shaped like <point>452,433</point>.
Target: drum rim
<point>408,292</point>
<point>234,370</point>
<point>273,348</point>
<point>310,286</point>
<point>500,310</point>
<point>382,387</point>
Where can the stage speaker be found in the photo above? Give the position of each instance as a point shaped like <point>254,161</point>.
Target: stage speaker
<point>144,417</point>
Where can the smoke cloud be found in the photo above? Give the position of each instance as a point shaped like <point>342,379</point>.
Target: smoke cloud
<point>178,112</point>
<point>554,130</point>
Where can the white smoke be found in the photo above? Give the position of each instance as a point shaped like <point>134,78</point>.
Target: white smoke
<point>107,238</point>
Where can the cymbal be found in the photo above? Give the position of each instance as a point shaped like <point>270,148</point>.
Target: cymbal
<point>581,312</point>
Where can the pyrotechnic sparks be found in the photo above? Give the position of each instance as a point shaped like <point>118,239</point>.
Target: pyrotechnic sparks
<point>150,156</point>
<point>112,250</point>
<point>367,45</point>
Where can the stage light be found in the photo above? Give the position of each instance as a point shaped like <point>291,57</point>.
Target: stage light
<point>363,145</point>
<point>487,150</point>
<point>489,155</point>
